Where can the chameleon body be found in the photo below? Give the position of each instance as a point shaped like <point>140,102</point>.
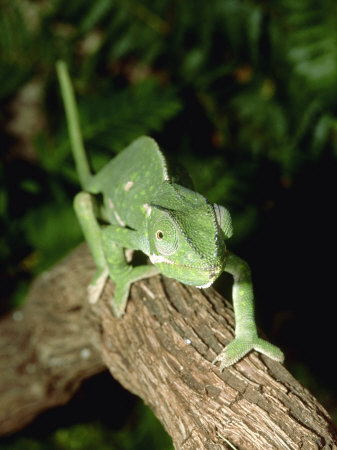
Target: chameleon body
<point>135,203</point>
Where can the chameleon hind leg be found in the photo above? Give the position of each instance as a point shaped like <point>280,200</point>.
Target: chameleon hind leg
<point>85,211</point>
<point>246,337</point>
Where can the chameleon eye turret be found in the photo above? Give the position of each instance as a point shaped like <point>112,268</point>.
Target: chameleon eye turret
<point>166,236</point>
<point>180,230</point>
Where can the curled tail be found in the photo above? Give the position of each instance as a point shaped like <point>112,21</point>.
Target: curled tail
<point>81,161</point>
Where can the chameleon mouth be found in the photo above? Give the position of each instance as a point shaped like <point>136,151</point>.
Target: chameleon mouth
<point>214,270</point>
<point>204,277</point>
<point>204,286</point>
<point>212,277</point>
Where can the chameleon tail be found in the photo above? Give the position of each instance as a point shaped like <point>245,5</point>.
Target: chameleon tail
<point>81,161</point>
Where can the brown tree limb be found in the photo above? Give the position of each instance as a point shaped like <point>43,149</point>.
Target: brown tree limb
<point>161,351</point>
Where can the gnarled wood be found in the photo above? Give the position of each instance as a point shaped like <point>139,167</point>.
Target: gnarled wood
<point>161,350</point>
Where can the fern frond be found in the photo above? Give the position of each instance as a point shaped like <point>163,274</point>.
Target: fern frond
<point>311,41</point>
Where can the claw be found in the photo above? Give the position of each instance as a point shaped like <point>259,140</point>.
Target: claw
<point>240,346</point>
<point>97,284</point>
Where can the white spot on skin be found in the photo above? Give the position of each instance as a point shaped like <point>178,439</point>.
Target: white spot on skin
<point>159,259</point>
<point>119,220</point>
<point>188,341</point>
<point>128,186</point>
<point>204,286</point>
<point>129,254</point>
<point>17,316</point>
<point>148,209</point>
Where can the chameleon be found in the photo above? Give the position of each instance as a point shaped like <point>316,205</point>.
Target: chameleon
<point>135,202</point>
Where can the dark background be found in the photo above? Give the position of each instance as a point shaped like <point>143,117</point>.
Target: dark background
<point>244,95</point>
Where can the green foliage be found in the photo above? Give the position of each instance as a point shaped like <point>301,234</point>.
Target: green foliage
<point>141,109</point>
<point>16,46</point>
<point>252,67</point>
<point>311,42</point>
<point>237,90</point>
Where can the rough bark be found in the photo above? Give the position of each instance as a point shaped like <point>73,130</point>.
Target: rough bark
<point>161,351</point>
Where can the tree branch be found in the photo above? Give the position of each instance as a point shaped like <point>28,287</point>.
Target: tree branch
<point>161,351</point>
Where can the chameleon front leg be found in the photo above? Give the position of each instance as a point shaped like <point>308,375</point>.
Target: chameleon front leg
<point>107,247</point>
<point>120,272</point>
<point>246,337</point>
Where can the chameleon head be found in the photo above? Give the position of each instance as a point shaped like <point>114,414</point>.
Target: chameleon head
<point>186,240</point>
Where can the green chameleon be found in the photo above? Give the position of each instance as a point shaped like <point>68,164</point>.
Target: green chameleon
<point>143,208</point>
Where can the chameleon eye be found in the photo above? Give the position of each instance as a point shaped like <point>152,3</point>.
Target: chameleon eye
<point>166,236</point>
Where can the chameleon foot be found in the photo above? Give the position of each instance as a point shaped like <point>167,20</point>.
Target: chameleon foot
<point>122,286</point>
<point>240,346</point>
<point>120,298</point>
<point>97,284</point>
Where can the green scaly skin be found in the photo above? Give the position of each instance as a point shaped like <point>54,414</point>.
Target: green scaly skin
<point>145,208</point>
